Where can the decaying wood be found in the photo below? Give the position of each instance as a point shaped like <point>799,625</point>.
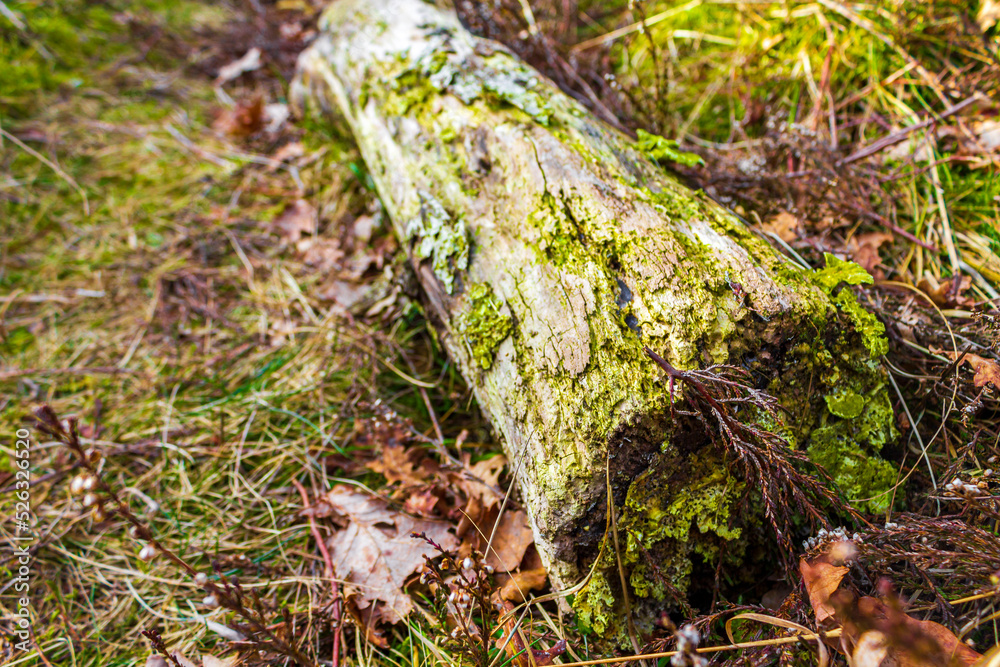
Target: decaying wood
<point>551,251</point>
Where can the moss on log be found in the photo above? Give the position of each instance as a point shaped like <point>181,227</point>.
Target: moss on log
<point>551,250</point>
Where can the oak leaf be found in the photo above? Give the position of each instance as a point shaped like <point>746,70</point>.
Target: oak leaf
<point>986,371</point>
<point>376,551</point>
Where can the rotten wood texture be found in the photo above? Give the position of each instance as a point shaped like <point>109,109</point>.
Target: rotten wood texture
<point>551,250</point>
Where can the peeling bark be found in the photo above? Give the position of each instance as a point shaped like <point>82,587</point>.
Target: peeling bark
<point>551,250</point>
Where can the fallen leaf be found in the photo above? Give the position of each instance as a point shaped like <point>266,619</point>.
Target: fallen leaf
<point>946,294</point>
<point>986,371</point>
<point>156,660</point>
<point>522,582</point>
<point>422,504</point>
<point>249,62</point>
<point>298,217</point>
<point>511,539</point>
<point>907,642</point>
<point>398,465</point>
<point>784,225</point>
<point>481,480</point>
<point>863,249</point>
<point>346,294</point>
<point>243,120</point>
<point>514,641</point>
<point>988,15</point>
<point>322,254</point>
<point>821,578</point>
<point>376,552</point>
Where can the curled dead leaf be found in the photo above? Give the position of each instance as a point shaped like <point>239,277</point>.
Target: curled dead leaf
<point>522,582</point>
<point>986,371</point>
<point>821,579</point>
<point>945,294</point>
<point>243,120</point>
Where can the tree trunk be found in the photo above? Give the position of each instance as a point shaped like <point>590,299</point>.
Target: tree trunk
<point>552,249</point>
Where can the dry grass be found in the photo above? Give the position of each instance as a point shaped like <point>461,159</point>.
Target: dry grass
<point>184,333</point>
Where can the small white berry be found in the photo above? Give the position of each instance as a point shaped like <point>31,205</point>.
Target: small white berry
<point>201,578</point>
<point>89,500</point>
<point>76,486</point>
<point>210,601</point>
<point>467,564</point>
<point>89,482</point>
<point>147,553</point>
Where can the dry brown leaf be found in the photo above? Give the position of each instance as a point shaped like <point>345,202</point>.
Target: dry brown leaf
<point>422,504</point>
<point>907,642</point>
<point>784,225</point>
<point>322,254</point>
<point>287,153</point>
<point>376,552</point>
<point>946,294</point>
<point>397,465</point>
<point>863,249</point>
<point>988,15</point>
<point>481,480</point>
<point>511,540</point>
<point>986,370</point>
<point>243,120</point>
<point>871,649</point>
<point>821,579</point>
<point>297,218</point>
<point>522,582</point>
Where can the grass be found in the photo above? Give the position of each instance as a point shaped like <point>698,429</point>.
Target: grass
<point>208,389</point>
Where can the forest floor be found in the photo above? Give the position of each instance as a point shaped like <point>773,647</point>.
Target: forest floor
<point>213,292</point>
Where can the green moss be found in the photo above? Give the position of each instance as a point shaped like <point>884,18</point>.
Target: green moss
<point>665,150</point>
<point>838,272</point>
<point>845,404</point>
<point>864,479</point>
<point>483,325</point>
<point>679,508</point>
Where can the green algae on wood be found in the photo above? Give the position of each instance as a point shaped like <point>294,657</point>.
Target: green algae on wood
<point>483,325</point>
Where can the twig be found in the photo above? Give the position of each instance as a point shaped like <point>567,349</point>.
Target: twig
<point>331,575</point>
<point>900,135</point>
<point>781,641</point>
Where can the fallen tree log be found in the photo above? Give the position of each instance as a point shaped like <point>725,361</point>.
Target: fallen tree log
<point>552,249</point>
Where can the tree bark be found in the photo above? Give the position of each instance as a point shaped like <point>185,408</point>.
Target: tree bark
<point>552,249</point>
